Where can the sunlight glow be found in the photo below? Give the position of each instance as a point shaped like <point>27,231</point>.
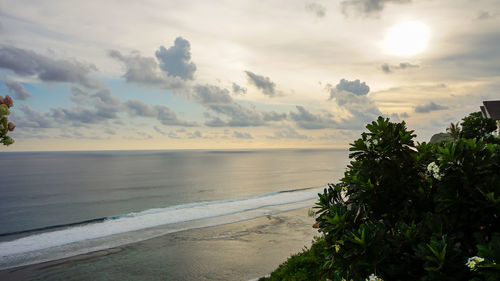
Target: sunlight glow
<point>406,39</point>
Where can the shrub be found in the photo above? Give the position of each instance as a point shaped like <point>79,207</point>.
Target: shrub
<point>413,212</point>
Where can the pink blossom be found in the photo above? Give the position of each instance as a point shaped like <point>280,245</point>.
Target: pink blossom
<point>11,126</point>
<point>8,101</point>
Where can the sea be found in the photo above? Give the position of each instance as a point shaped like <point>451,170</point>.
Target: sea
<point>59,205</point>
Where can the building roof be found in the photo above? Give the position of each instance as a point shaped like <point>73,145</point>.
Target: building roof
<point>493,109</point>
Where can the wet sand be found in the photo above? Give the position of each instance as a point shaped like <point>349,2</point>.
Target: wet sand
<point>237,251</point>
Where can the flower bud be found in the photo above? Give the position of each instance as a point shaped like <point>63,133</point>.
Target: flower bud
<point>8,101</point>
<point>11,126</point>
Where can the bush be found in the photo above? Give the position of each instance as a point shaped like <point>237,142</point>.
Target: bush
<point>413,212</point>
<point>407,211</point>
<point>303,266</point>
<point>5,125</point>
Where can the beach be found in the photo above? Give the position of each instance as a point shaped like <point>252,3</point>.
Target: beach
<point>243,250</point>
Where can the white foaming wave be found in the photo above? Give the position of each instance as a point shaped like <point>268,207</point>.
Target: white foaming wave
<point>151,218</point>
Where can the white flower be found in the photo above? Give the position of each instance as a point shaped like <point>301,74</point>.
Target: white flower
<point>431,167</point>
<point>375,142</point>
<point>472,262</point>
<point>337,248</point>
<point>373,277</point>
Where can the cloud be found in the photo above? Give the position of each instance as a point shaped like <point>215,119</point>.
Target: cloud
<point>367,7</point>
<point>167,117</point>
<point>242,135</point>
<point>237,89</point>
<point>306,120</point>
<point>162,113</point>
<point>476,55</point>
<point>28,63</point>
<point>110,131</point>
<point>219,101</point>
<point>145,71</point>
<point>17,90</point>
<point>402,66</point>
<point>175,61</point>
<point>160,131</point>
<point>195,135</point>
<point>352,96</point>
<point>32,118</point>
<point>483,15</point>
<point>355,87</point>
<point>288,133</point>
<point>139,108</point>
<point>431,106</point>
<point>317,9</point>
<point>263,83</point>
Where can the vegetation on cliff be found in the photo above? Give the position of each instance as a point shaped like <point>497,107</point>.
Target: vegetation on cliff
<point>407,211</point>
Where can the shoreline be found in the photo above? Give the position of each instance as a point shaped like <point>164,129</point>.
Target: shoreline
<point>227,241</point>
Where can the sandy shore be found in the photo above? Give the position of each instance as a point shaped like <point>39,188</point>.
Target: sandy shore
<point>237,251</point>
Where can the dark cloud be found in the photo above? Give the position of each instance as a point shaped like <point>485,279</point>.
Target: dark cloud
<point>220,102</point>
<point>402,66</point>
<point>352,96</point>
<point>306,120</point>
<point>237,89</point>
<point>404,115</point>
<point>28,63</point>
<point>316,9</point>
<point>242,135</point>
<point>273,116</point>
<point>162,113</point>
<point>355,87</point>
<point>80,116</point>
<point>263,83</point>
<point>212,95</point>
<point>367,7</point>
<point>17,90</point>
<point>176,60</point>
<point>139,108</point>
<point>288,133</point>
<point>167,117</point>
<point>145,71</point>
<point>431,106</point>
<point>31,118</point>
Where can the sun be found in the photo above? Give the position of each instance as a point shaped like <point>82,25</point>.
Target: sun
<point>406,39</point>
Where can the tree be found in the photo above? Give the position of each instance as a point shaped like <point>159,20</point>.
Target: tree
<point>477,126</point>
<point>5,125</point>
<point>408,211</point>
<point>454,130</point>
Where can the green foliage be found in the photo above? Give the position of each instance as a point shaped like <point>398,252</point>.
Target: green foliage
<point>454,130</point>
<point>303,266</point>
<point>5,125</point>
<point>477,126</point>
<point>398,217</point>
<point>406,211</point>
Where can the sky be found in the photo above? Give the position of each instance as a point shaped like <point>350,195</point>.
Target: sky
<point>231,74</point>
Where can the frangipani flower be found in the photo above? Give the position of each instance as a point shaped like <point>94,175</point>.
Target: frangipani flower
<point>473,262</point>
<point>373,277</point>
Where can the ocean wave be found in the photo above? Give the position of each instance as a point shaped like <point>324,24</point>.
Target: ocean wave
<point>102,233</point>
